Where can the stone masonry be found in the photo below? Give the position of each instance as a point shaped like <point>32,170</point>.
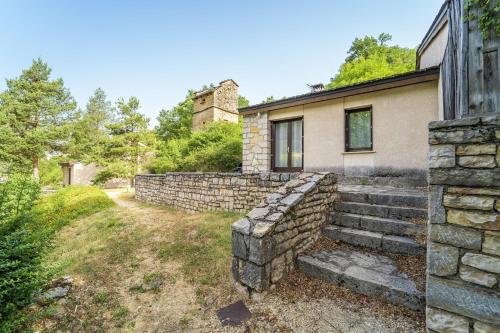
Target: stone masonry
<point>463,273</point>
<point>267,241</point>
<point>218,103</point>
<point>256,143</point>
<point>195,191</point>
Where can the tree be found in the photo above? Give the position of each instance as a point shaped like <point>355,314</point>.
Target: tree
<point>128,144</point>
<point>177,122</point>
<point>38,112</point>
<point>90,129</point>
<point>371,58</point>
<point>243,102</point>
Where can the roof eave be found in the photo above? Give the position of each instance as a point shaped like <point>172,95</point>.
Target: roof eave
<point>426,75</point>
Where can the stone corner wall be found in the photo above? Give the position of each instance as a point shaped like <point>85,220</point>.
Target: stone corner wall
<point>267,241</point>
<point>256,143</point>
<point>463,273</point>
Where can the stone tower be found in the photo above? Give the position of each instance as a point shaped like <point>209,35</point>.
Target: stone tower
<point>218,103</point>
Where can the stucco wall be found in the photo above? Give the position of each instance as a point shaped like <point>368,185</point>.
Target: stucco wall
<point>400,118</point>
<point>433,54</point>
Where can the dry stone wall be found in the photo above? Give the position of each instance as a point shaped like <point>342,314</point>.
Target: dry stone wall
<point>463,292</point>
<point>267,241</point>
<point>196,191</point>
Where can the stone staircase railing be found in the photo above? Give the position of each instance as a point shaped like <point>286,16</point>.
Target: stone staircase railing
<point>267,241</point>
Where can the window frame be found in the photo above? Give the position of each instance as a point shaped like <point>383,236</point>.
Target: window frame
<point>289,168</point>
<point>347,141</point>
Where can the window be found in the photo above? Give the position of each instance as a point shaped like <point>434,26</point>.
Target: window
<point>358,129</point>
<point>287,145</point>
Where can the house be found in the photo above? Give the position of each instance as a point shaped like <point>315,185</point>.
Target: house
<point>78,173</point>
<point>218,103</point>
<point>376,128</point>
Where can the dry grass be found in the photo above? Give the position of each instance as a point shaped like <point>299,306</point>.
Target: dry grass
<point>142,268</point>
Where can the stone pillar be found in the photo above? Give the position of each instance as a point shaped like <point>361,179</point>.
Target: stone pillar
<point>463,263</point>
<point>256,143</point>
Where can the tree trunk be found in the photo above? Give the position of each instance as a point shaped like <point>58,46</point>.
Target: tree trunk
<point>36,173</point>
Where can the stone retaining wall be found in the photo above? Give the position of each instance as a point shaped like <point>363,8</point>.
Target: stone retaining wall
<point>267,241</point>
<point>463,261</point>
<point>196,191</point>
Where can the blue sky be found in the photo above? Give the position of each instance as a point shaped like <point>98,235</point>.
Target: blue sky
<point>157,50</point>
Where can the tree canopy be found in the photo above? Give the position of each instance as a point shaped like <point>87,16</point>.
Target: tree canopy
<point>35,117</point>
<point>371,58</point>
<point>126,147</point>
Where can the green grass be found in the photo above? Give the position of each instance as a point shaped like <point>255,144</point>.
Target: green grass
<point>68,204</point>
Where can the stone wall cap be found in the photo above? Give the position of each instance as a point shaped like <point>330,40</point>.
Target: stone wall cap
<point>454,123</point>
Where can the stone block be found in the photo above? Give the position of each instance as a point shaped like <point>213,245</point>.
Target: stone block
<point>292,199</point>
<point>477,135</point>
<point>460,298</point>
<point>480,327</point>
<point>262,250</point>
<point>487,221</point>
<point>491,243</point>
<point>445,322</point>
<point>254,276</point>
<point>476,276</point>
<point>258,213</point>
<point>484,149</point>
<point>482,262</point>
<point>442,156</point>
<point>479,161</point>
<point>474,191</point>
<point>277,268</point>
<point>457,236</point>
<point>437,213</point>
<point>242,226</point>
<point>464,177</point>
<point>468,202</point>
<point>240,244</point>
<point>442,259</point>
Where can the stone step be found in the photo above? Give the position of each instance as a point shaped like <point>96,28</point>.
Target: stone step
<point>367,274</point>
<point>402,213</point>
<point>374,240</point>
<point>378,224</point>
<point>383,196</point>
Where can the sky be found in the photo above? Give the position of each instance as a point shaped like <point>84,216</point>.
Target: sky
<point>158,50</point>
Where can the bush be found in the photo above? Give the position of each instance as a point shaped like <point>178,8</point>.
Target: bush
<point>51,173</point>
<point>27,225</point>
<point>217,148</point>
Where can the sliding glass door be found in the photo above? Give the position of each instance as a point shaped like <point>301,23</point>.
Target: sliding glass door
<point>287,147</point>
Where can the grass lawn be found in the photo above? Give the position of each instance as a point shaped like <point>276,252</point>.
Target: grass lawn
<point>138,267</point>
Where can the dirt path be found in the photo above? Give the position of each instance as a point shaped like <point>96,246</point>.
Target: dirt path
<point>136,271</point>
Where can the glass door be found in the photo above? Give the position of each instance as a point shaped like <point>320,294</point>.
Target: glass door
<point>287,147</point>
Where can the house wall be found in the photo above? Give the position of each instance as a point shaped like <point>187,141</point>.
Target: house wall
<point>400,118</point>
<point>83,174</point>
<point>433,54</point>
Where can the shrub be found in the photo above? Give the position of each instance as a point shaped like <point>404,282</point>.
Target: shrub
<point>50,172</point>
<point>27,225</point>
<point>216,148</point>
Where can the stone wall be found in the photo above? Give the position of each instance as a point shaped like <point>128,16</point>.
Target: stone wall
<point>256,143</point>
<point>267,241</point>
<point>194,191</point>
<point>463,273</point>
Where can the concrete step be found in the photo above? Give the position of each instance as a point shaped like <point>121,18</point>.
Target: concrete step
<point>367,274</point>
<point>377,224</point>
<point>374,240</point>
<point>383,195</point>
<point>402,213</point>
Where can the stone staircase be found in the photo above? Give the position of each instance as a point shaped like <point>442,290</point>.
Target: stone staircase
<point>368,218</point>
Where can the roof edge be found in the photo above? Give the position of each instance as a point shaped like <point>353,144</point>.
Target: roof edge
<point>425,75</point>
